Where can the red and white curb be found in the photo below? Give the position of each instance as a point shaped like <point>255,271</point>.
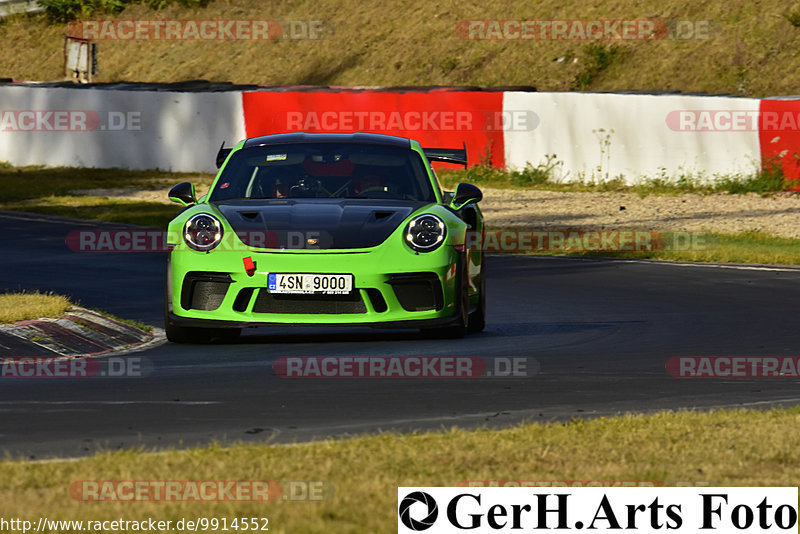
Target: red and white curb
<point>77,333</point>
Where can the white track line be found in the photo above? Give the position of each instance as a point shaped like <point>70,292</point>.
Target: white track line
<point>742,267</point>
<point>111,403</point>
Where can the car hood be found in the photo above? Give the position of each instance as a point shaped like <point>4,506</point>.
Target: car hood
<point>316,223</point>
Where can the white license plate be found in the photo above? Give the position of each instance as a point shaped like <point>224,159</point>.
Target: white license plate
<point>305,284</point>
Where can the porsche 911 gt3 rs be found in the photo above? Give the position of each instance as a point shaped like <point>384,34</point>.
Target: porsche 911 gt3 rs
<point>325,229</point>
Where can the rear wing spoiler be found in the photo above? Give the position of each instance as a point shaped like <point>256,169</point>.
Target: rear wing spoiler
<point>222,155</point>
<point>457,156</point>
<point>448,155</point>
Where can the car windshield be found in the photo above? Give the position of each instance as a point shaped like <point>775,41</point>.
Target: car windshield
<point>324,170</point>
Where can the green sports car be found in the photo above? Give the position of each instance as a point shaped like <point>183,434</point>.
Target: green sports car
<point>325,229</point>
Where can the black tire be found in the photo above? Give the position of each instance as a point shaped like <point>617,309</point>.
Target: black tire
<point>477,319</point>
<point>185,334</point>
<point>226,335</point>
<point>200,336</point>
<point>459,329</point>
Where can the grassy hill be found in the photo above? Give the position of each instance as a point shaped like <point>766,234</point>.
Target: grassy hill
<point>753,49</point>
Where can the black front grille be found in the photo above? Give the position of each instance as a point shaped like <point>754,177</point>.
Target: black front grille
<point>267,302</point>
<point>418,291</point>
<point>204,290</point>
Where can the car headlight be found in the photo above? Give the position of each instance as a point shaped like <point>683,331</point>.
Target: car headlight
<point>425,233</point>
<point>202,232</point>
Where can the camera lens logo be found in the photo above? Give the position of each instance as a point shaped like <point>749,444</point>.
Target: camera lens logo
<point>405,511</point>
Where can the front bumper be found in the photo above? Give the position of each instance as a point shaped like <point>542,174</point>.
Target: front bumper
<point>410,323</point>
<point>392,288</point>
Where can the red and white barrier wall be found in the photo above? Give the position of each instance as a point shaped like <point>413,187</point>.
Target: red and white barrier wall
<point>116,128</point>
<point>595,135</point>
<point>779,134</point>
<point>634,135</point>
<point>434,118</point>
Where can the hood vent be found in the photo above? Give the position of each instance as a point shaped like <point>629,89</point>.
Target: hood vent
<point>380,215</point>
<point>317,223</point>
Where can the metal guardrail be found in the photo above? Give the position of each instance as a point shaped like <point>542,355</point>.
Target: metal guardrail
<point>10,7</point>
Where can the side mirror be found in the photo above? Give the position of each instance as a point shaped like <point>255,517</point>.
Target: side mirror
<point>464,194</point>
<point>222,154</point>
<point>183,193</point>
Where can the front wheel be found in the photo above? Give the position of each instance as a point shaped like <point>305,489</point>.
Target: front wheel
<point>459,328</point>
<point>187,334</point>
<point>184,334</point>
<point>477,319</point>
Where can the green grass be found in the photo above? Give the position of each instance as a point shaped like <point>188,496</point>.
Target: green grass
<point>747,247</point>
<point>543,176</point>
<point>598,57</point>
<point>22,183</point>
<point>50,191</point>
<point>66,10</point>
<point>747,51</point>
<point>734,448</point>
<point>132,322</point>
<point>794,18</point>
<point>23,305</point>
<point>99,209</point>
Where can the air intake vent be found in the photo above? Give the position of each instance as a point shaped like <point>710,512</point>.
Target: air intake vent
<point>204,290</point>
<point>337,304</point>
<point>380,215</point>
<point>243,299</point>
<point>418,291</point>
<point>377,300</point>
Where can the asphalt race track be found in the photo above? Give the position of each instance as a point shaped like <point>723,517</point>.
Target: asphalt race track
<point>600,331</point>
